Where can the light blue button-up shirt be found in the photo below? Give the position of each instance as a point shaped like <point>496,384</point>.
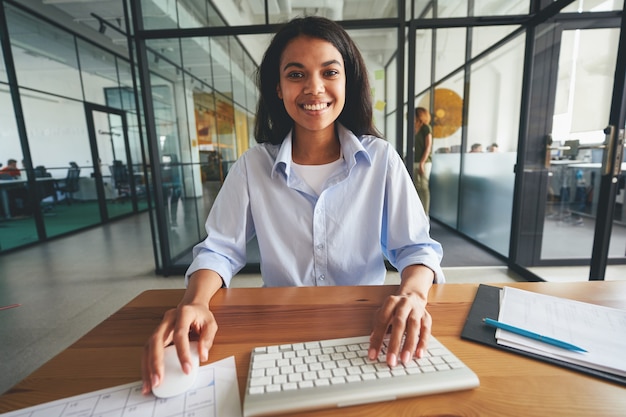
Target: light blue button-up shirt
<point>368,210</point>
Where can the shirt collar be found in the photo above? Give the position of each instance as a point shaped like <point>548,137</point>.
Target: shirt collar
<point>351,148</point>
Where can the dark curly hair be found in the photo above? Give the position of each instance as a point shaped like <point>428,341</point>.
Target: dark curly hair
<point>272,120</point>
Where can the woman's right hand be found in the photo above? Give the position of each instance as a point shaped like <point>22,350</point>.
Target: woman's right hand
<point>192,318</point>
<point>177,326</point>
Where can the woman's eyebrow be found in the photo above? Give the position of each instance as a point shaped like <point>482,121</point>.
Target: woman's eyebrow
<point>331,62</point>
<point>299,65</point>
<point>293,64</point>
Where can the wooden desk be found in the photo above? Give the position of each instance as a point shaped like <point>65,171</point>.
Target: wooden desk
<point>510,385</point>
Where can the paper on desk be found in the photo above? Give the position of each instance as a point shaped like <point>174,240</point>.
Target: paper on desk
<point>215,394</point>
<point>599,330</point>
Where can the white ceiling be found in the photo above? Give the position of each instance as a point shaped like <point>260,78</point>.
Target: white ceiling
<point>79,15</point>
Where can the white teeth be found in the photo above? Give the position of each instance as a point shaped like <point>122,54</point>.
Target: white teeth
<point>319,106</point>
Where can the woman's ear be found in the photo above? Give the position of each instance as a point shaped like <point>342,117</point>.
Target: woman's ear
<point>279,92</point>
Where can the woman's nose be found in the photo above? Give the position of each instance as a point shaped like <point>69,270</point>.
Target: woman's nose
<point>314,85</point>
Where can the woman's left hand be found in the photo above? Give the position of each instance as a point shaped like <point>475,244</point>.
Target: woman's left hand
<point>406,315</point>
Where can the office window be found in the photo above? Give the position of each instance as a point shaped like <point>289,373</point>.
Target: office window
<point>459,8</point>
<point>3,71</point>
<point>44,56</point>
<point>391,87</point>
<point>158,14</point>
<point>172,14</point>
<point>200,94</point>
<point>250,88</point>
<point>450,50</point>
<point>493,118</point>
<point>237,69</point>
<point>485,37</point>
<point>500,8</point>
<point>447,122</point>
<point>98,71</point>
<point>423,62</point>
<point>455,8</point>
<point>593,6</point>
<point>58,140</point>
<point>378,48</point>
<point>335,10</point>
<point>9,136</point>
<point>18,228</point>
<point>390,128</point>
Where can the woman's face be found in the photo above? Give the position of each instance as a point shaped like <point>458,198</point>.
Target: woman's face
<point>312,85</point>
<point>417,124</point>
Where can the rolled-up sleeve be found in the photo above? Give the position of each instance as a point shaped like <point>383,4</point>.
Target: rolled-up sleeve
<point>406,228</point>
<point>228,226</point>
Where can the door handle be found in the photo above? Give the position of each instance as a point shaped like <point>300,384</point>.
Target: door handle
<point>610,156</point>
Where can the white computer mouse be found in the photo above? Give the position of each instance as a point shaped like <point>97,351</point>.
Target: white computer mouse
<point>175,381</point>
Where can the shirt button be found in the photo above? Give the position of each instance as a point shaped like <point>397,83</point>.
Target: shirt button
<point>322,277</point>
<point>320,246</point>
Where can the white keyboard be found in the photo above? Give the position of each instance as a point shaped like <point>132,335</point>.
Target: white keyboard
<point>338,373</point>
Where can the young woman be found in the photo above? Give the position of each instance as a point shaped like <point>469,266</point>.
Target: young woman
<point>325,197</point>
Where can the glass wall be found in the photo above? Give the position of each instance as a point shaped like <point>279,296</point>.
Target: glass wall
<point>475,111</point>
<point>58,74</point>
<point>204,99</point>
<point>379,48</point>
<point>200,85</point>
<point>16,227</point>
<point>493,122</point>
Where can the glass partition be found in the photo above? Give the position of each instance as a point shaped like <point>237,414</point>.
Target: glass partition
<point>460,8</point>
<point>98,71</point>
<point>335,10</point>
<point>449,51</point>
<point>501,8</point>
<point>580,116</point>
<point>578,6</point>
<point>447,139</point>
<point>171,14</point>
<point>423,52</point>
<point>204,96</point>
<point>44,56</point>
<point>477,191</point>
<point>59,143</point>
<point>17,226</point>
<point>379,47</point>
<point>3,72</point>
<point>391,91</point>
<point>484,37</point>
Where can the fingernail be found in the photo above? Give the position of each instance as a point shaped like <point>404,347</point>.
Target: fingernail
<point>155,380</point>
<point>187,367</point>
<point>372,354</point>
<point>406,357</point>
<point>392,359</point>
<point>205,355</point>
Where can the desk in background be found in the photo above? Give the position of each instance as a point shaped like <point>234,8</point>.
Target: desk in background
<point>6,184</point>
<point>510,384</point>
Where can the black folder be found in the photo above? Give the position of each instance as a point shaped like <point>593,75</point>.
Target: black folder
<point>487,304</point>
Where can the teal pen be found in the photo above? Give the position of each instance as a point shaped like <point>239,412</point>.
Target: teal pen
<point>531,335</point>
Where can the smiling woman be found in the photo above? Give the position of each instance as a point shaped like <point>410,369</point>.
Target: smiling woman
<point>327,199</point>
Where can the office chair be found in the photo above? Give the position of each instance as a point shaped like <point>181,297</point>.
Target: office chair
<point>45,188</point>
<point>70,186</point>
<point>120,178</point>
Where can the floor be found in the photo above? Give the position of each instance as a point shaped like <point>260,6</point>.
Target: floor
<point>65,288</point>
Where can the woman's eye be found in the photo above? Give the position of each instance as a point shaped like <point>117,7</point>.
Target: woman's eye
<point>332,73</point>
<point>294,75</point>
